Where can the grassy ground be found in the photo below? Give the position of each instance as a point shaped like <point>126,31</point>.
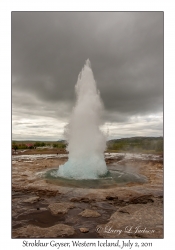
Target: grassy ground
<point>41,151</point>
<point>135,152</point>
<point>63,151</point>
<point>142,145</point>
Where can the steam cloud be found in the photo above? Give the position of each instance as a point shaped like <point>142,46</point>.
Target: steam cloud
<point>86,142</point>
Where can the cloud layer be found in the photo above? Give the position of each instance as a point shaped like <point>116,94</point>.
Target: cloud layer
<point>49,50</point>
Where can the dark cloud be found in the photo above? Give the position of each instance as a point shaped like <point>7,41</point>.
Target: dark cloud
<point>50,48</point>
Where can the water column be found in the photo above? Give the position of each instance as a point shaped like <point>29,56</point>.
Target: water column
<point>86,142</point>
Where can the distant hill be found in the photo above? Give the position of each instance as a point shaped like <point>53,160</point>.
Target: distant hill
<point>137,144</point>
<point>62,141</point>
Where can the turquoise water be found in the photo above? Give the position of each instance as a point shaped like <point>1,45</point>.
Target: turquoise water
<point>112,178</point>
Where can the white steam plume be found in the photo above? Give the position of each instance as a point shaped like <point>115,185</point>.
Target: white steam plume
<point>86,142</point>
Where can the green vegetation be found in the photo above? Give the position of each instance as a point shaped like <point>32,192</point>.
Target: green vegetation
<point>39,144</point>
<point>134,145</point>
<point>59,145</point>
<point>16,145</point>
<point>33,145</point>
<point>137,144</point>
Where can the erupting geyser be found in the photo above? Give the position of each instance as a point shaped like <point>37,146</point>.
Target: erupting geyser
<point>86,142</point>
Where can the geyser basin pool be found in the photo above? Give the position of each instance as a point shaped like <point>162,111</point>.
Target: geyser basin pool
<point>113,177</point>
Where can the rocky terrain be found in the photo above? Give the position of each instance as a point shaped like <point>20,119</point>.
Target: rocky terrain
<point>42,209</point>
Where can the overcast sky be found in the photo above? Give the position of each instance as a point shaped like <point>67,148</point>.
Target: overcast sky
<point>49,50</point>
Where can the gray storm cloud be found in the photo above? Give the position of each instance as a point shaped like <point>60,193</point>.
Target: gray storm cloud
<point>125,49</point>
